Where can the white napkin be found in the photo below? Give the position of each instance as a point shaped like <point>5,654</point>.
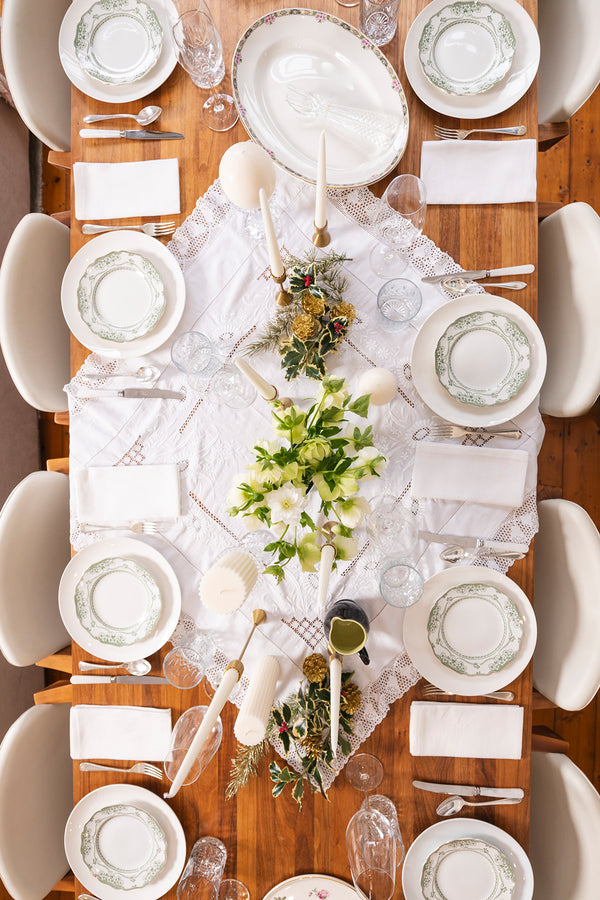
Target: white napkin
<point>479,171</point>
<point>472,474</point>
<point>124,190</point>
<point>472,730</point>
<point>115,495</point>
<point>120,732</point>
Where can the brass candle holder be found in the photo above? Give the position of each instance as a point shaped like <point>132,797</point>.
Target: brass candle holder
<point>284,298</point>
<point>321,237</point>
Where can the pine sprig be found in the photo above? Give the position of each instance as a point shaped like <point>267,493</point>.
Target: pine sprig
<point>245,763</point>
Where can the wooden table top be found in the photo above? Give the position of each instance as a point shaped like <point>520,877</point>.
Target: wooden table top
<point>269,840</point>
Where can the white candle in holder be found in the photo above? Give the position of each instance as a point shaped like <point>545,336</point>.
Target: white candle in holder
<point>321,200</point>
<point>266,390</point>
<point>277,269</point>
<point>226,585</point>
<point>327,558</point>
<point>335,691</point>
<point>251,723</point>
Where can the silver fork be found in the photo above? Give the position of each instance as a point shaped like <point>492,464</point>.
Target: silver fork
<point>459,134</point>
<point>154,229</point>
<point>430,690</point>
<point>137,527</point>
<point>453,431</point>
<point>143,768</point>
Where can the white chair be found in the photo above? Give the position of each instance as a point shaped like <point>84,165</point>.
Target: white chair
<point>39,87</point>
<point>33,334</point>
<point>566,661</point>
<point>569,69</point>
<point>564,831</point>
<point>34,551</point>
<point>569,308</point>
<point>36,797</point>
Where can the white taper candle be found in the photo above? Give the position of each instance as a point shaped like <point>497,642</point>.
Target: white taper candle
<point>251,723</point>
<point>327,558</point>
<point>228,682</point>
<point>277,269</point>
<point>321,199</point>
<point>266,390</point>
<point>335,689</point>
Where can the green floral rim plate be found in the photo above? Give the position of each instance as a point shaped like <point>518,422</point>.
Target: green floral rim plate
<point>118,41</point>
<point>123,847</point>
<point>475,629</point>
<point>467,862</point>
<point>466,48</point>
<point>122,611</point>
<point>121,296</point>
<point>483,358</point>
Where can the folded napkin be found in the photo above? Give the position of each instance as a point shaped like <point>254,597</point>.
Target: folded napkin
<point>120,732</point>
<point>123,190</point>
<point>115,495</point>
<point>473,474</point>
<point>473,730</point>
<point>479,171</point>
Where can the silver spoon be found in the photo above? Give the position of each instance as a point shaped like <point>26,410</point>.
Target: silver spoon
<point>459,285</point>
<point>454,804</point>
<point>455,553</point>
<point>144,117</point>
<point>144,373</point>
<point>136,667</point>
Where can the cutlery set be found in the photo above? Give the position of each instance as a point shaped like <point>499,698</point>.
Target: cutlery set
<point>133,394</point>
<point>453,804</point>
<point>459,134</point>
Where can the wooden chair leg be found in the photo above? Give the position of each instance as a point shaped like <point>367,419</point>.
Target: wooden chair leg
<point>546,208</point>
<point>59,692</point>
<point>60,160</point>
<point>549,133</point>
<point>64,217</point>
<point>548,741</point>
<point>60,662</point>
<point>60,464</point>
<point>541,702</point>
<point>66,884</point>
<point>61,418</point>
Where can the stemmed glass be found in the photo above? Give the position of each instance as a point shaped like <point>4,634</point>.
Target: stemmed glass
<point>200,53</point>
<point>386,807</point>
<point>364,772</point>
<point>371,848</point>
<point>400,220</point>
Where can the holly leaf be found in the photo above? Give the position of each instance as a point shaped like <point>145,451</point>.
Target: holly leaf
<point>298,792</point>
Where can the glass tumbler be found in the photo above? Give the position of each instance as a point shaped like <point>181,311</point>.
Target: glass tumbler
<point>185,665</point>
<point>398,301</point>
<point>193,353</point>
<point>379,20</point>
<point>400,584</point>
<point>203,871</point>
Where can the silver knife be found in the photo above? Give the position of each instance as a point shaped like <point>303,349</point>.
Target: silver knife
<point>133,393</point>
<point>474,274</point>
<point>138,134</point>
<point>466,790</point>
<point>473,543</point>
<point>118,679</point>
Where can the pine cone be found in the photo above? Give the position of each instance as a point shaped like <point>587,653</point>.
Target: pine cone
<point>351,698</point>
<point>314,667</point>
<point>343,309</point>
<point>312,305</point>
<point>305,326</point>
<point>312,745</point>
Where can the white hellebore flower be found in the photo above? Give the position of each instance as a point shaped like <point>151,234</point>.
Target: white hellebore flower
<point>370,462</point>
<point>332,399</point>
<point>287,504</point>
<point>352,511</point>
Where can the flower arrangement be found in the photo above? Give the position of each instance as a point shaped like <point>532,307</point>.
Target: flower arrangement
<point>316,321</point>
<point>309,452</point>
<point>302,723</point>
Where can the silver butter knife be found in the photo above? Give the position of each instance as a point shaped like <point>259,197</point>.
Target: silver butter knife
<point>138,134</point>
<point>472,543</point>
<point>475,274</point>
<point>466,790</point>
<point>118,679</point>
<point>133,393</point>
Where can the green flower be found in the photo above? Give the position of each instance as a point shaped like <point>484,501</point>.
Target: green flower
<point>346,547</point>
<point>342,485</point>
<point>309,552</point>
<point>352,511</point>
<point>291,424</point>
<point>332,392</point>
<point>369,463</point>
<point>314,450</point>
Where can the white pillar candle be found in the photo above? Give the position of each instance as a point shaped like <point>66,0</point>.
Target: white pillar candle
<point>225,586</point>
<point>381,384</point>
<point>277,269</point>
<point>251,723</point>
<point>266,390</point>
<point>228,682</point>
<point>321,200</point>
<point>335,690</point>
<point>327,558</point>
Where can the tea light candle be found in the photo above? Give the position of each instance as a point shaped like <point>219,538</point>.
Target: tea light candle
<point>381,384</point>
<point>251,723</point>
<point>226,585</point>
<point>335,690</point>
<point>327,558</point>
<point>266,390</point>
<point>275,262</point>
<point>321,199</point>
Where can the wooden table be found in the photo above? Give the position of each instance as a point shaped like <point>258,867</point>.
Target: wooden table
<point>270,840</point>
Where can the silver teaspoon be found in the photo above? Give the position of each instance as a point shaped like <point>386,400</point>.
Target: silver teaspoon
<point>144,373</point>
<point>136,667</point>
<point>459,285</point>
<point>455,553</point>
<point>144,117</point>
<point>454,804</point>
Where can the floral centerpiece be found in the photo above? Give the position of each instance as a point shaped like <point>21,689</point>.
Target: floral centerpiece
<point>310,454</point>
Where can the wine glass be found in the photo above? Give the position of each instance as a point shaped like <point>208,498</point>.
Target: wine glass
<point>364,772</point>
<point>386,807</point>
<point>371,848</point>
<point>400,220</point>
<point>200,53</point>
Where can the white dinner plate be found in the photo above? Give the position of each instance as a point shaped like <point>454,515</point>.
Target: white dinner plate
<point>303,59</point>
<point>499,97</point>
<point>116,93</point>
<point>420,651</point>
<point>435,394</point>
<point>147,802</point>
<point>150,560</point>
<point>455,829</point>
<point>312,887</point>
<point>134,242</point>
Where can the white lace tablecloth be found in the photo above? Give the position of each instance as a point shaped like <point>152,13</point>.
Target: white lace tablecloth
<point>230,296</point>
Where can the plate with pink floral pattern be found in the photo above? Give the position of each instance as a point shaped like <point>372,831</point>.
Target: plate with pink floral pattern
<point>312,887</point>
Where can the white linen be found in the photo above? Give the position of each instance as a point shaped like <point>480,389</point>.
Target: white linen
<point>470,171</point>
<point>120,732</point>
<point>472,730</point>
<point>471,474</point>
<point>118,495</point>
<point>125,190</point>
